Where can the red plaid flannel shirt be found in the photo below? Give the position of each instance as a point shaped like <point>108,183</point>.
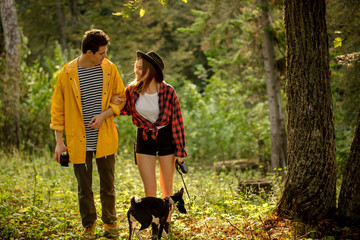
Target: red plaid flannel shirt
<point>170,113</point>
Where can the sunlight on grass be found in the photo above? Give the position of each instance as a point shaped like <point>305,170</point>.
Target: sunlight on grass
<point>38,200</point>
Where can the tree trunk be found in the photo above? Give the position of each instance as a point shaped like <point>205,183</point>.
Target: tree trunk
<point>277,126</point>
<point>61,19</point>
<point>11,82</point>
<point>309,193</point>
<point>349,199</point>
<point>74,13</point>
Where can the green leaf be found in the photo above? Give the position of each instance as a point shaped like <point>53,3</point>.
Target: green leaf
<point>123,13</point>
<point>337,42</point>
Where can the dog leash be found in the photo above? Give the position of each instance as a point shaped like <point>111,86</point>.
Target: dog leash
<point>180,168</point>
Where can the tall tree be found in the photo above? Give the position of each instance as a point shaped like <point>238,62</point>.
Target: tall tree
<point>61,19</point>
<point>309,193</point>
<point>277,126</point>
<point>11,81</point>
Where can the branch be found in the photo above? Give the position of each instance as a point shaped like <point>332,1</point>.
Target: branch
<point>133,5</point>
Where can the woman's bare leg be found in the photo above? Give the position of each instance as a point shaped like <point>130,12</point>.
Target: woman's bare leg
<point>147,169</point>
<point>167,169</point>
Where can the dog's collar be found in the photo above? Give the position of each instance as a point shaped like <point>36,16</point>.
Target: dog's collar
<point>169,199</point>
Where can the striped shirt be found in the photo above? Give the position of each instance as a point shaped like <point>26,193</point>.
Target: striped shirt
<point>91,80</point>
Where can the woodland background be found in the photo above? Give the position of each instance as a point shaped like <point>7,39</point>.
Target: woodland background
<point>213,57</point>
<point>212,51</point>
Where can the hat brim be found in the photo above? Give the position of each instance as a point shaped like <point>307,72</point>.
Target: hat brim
<point>140,54</point>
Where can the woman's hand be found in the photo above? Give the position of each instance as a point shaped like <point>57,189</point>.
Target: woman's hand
<point>181,167</point>
<point>179,159</point>
<point>116,99</point>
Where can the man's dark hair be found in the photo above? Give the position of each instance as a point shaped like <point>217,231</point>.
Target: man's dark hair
<point>93,40</point>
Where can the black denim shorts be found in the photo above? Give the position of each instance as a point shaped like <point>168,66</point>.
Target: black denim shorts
<point>162,145</point>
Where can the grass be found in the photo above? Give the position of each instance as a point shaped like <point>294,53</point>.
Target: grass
<point>38,200</point>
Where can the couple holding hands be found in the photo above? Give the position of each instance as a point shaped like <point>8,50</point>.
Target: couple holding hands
<point>88,94</point>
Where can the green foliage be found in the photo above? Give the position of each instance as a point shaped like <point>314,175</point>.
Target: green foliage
<point>213,59</point>
<point>345,86</point>
<point>38,200</point>
<point>133,5</point>
<point>233,107</point>
<point>38,88</point>
<point>222,123</point>
<point>221,94</point>
<point>343,32</point>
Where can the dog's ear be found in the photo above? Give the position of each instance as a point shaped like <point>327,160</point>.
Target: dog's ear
<point>181,192</point>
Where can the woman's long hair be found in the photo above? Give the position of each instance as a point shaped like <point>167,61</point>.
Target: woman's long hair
<point>148,74</point>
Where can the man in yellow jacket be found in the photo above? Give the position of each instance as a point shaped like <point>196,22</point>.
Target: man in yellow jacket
<point>81,106</point>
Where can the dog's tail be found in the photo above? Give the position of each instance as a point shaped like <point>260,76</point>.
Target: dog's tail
<point>135,201</point>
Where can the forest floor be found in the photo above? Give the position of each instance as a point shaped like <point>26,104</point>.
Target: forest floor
<point>38,200</point>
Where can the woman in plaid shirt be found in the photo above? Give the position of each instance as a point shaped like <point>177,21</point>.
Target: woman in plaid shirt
<point>155,110</point>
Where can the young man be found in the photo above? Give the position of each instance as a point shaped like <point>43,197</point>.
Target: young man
<point>81,106</point>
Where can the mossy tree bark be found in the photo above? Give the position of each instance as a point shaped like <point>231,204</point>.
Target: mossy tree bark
<point>349,199</point>
<point>309,193</point>
<point>10,84</point>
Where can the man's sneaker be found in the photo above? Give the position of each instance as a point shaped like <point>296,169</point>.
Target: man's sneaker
<point>111,230</point>
<point>89,232</point>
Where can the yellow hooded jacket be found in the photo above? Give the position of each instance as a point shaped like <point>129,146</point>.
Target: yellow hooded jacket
<point>66,111</point>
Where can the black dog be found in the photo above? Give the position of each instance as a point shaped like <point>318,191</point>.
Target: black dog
<point>153,210</point>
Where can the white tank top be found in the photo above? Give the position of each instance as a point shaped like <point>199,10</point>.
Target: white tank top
<point>147,106</point>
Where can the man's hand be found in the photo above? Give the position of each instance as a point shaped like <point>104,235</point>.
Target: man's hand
<point>116,99</point>
<point>96,121</point>
<point>60,148</point>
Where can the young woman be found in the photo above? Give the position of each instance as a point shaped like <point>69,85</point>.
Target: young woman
<point>155,110</point>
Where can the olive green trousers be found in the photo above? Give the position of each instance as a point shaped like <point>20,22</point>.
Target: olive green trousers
<point>83,173</point>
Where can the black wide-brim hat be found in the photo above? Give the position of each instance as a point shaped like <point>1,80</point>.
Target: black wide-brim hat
<point>154,59</point>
